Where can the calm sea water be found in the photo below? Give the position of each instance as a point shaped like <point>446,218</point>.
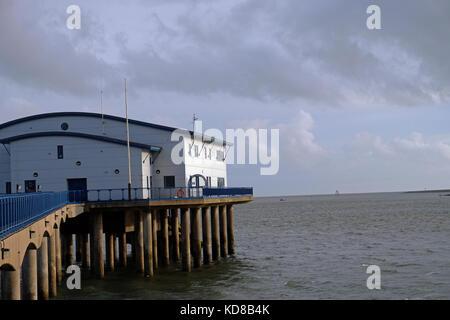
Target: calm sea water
<point>312,247</point>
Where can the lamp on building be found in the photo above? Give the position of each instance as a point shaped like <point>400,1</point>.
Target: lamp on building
<point>18,187</point>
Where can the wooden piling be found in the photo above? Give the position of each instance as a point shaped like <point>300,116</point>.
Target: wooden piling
<point>116,253</point>
<point>206,228</point>
<point>52,265</point>
<point>69,249</point>
<point>123,249</point>
<point>165,236</point>
<point>175,222</point>
<point>59,275</point>
<point>139,230</point>
<point>85,251</point>
<point>11,285</point>
<point>109,240</point>
<point>148,244</point>
<point>29,275</point>
<point>43,270</point>
<point>155,238</point>
<point>196,240</point>
<point>91,246</point>
<point>215,232</point>
<point>223,232</point>
<point>186,245</point>
<point>99,265</point>
<point>230,229</point>
<point>78,242</point>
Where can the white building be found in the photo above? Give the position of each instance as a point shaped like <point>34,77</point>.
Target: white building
<point>77,150</point>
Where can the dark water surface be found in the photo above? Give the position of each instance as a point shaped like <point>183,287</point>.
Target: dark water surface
<point>312,247</point>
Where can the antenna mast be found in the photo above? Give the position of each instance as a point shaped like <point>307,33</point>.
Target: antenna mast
<point>194,118</point>
<point>128,143</point>
<point>101,110</point>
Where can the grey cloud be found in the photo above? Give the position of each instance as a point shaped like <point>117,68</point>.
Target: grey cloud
<point>317,53</point>
<point>36,53</point>
<point>295,50</point>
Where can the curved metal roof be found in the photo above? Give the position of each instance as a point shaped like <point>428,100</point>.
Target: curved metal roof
<point>78,135</point>
<point>84,114</point>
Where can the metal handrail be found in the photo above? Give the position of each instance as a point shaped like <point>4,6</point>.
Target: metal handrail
<point>21,209</point>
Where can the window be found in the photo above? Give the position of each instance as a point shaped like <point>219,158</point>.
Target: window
<point>220,182</point>
<point>196,151</point>
<point>60,152</point>
<point>65,126</point>
<point>208,181</point>
<point>209,154</point>
<point>8,188</point>
<point>30,186</point>
<point>169,181</point>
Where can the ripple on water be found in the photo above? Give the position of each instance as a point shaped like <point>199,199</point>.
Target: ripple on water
<point>310,248</point>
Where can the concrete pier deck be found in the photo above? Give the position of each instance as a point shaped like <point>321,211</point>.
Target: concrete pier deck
<point>186,231</point>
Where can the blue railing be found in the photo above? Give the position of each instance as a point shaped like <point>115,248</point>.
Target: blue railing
<point>102,195</point>
<point>21,209</point>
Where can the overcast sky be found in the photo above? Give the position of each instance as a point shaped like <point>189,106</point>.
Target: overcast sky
<point>358,110</point>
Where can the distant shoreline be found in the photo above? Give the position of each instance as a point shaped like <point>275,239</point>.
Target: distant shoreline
<point>352,193</point>
<point>429,191</point>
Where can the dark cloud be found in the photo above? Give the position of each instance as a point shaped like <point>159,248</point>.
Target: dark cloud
<point>37,52</point>
<point>321,53</point>
<point>316,52</point>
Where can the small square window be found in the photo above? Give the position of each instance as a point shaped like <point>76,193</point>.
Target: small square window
<point>196,151</point>
<point>169,182</point>
<point>60,152</point>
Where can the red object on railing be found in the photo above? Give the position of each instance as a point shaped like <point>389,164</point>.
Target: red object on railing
<point>181,193</point>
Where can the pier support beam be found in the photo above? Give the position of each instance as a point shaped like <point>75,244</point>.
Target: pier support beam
<point>52,265</point>
<point>43,270</point>
<point>139,230</point>
<point>164,216</point>
<point>123,249</point>
<point>215,232</point>
<point>11,285</point>
<point>230,229</point>
<point>116,253</point>
<point>69,249</point>
<point>155,238</point>
<point>206,227</point>
<point>109,239</point>
<point>78,241</point>
<point>29,275</point>
<point>85,251</point>
<point>99,265</point>
<point>148,244</point>
<point>91,246</point>
<point>175,222</point>
<point>223,232</point>
<point>59,275</point>
<point>185,233</point>
<point>196,237</point>
<point>132,241</point>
